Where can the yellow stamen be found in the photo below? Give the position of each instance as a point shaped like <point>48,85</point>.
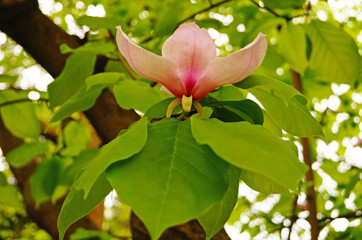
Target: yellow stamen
<point>198,107</point>
<point>186,103</point>
<point>171,106</point>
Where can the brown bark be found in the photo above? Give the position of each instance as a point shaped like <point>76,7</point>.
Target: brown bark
<point>40,37</point>
<point>307,156</point>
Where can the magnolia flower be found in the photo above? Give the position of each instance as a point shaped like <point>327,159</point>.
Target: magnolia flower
<point>188,67</point>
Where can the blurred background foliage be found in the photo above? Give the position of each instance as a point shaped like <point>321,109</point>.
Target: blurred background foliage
<point>320,40</point>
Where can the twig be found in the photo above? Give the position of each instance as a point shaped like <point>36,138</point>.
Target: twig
<point>293,217</point>
<point>327,220</point>
<point>21,100</point>
<point>311,195</point>
<point>211,6</point>
<point>275,13</point>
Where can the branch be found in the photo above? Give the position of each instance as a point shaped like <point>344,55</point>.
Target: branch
<point>21,101</point>
<point>211,6</point>
<point>275,13</point>
<point>307,156</point>
<point>326,220</point>
<point>293,217</point>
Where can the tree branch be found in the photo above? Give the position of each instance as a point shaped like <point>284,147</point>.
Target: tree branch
<point>326,220</point>
<point>275,13</point>
<point>211,6</point>
<point>21,101</point>
<point>307,156</point>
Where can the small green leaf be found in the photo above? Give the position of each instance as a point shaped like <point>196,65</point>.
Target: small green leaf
<point>80,101</point>
<point>82,234</point>
<point>251,147</point>
<point>76,138</point>
<point>137,95</point>
<point>293,46</point>
<point>105,79</point>
<point>159,109</point>
<point>177,178</point>
<point>285,105</point>
<point>334,53</point>
<point>120,148</point>
<point>246,110</point>
<point>7,79</point>
<point>284,4</point>
<point>96,23</point>
<point>77,206</point>
<point>45,179</point>
<point>216,217</point>
<point>228,93</point>
<point>262,183</point>
<point>9,194</point>
<point>77,68</point>
<point>23,154</point>
<point>19,118</point>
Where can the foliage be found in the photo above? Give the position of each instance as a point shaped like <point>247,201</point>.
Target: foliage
<point>170,171</point>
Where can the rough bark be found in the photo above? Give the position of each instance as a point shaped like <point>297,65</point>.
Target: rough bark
<point>40,37</point>
<point>307,156</point>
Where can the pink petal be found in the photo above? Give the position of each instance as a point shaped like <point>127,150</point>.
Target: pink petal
<point>150,65</point>
<point>191,48</point>
<point>231,69</point>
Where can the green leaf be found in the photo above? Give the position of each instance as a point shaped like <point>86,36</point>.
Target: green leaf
<point>245,110</point>
<point>19,118</point>
<point>82,234</point>
<point>23,154</point>
<point>79,163</point>
<point>251,147</point>
<point>80,101</point>
<point>9,194</point>
<point>177,178</point>
<point>131,94</point>
<point>77,206</point>
<point>120,148</point>
<point>216,217</point>
<point>96,23</point>
<point>105,79</point>
<point>166,23</point>
<point>334,53</point>
<point>77,68</point>
<point>284,4</point>
<point>99,47</point>
<point>261,183</point>
<point>228,93</point>
<point>76,138</point>
<point>271,125</point>
<point>7,79</point>
<point>293,46</point>
<point>285,105</point>
<point>159,109</point>
<point>45,179</point>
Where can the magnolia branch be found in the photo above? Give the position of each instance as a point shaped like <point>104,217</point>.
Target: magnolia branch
<point>22,101</point>
<point>326,220</point>
<point>211,6</point>
<point>274,12</point>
